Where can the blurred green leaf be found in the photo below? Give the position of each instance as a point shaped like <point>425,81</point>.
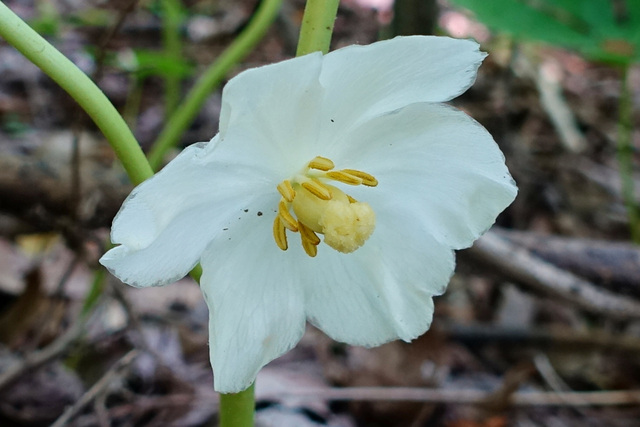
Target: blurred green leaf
<point>603,30</point>
<point>151,63</point>
<point>48,20</point>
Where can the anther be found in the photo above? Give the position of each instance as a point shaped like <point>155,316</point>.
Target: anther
<point>351,199</point>
<point>317,189</point>
<point>309,248</point>
<point>321,163</point>
<point>308,234</point>
<point>286,190</point>
<point>280,234</point>
<point>285,216</point>
<point>367,179</point>
<point>345,177</point>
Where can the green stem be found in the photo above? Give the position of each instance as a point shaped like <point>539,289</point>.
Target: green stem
<point>317,26</point>
<point>625,157</point>
<point>236,410</point>
<point>80,87</point>
<point>171,19</point>
<point>241,46</point>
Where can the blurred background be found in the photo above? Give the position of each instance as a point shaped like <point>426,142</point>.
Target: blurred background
<point>540,325</point>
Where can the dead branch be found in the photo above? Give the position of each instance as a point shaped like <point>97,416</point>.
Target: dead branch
<point>540,338</point>
<point>614,265</point>
<point>459,397</point>
<point>35,360</point>
<point>38,187</point>
<point>99,387</point>
<point>521,266</point>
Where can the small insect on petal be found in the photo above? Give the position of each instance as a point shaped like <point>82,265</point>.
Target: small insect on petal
<point>321,163</point>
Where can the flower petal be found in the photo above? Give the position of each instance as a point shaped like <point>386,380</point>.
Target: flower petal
<point>255,300</point>
<point>167,221</point>
<point>383,291</point>
<point>277,103</point>
<point>436,163</point>
<point>364,81</point>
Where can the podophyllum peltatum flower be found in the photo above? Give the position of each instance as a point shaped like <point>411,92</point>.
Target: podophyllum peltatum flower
<point>353,148</point>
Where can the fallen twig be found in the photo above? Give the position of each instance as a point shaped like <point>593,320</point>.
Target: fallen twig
<point>614,265</point>
<point>520,265</point>
<point>36,359</point>
<point>564,338</point>
<point>97,388</point>
<point>459,397</point>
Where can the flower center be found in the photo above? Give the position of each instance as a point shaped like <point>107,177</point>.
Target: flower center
<point>322,208</point>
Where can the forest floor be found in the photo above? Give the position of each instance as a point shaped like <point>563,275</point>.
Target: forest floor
<point>540,326</point>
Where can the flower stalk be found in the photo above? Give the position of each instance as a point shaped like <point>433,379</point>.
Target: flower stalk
<point>236,409</point>
<point>77,84</point>
<point>317,26</point>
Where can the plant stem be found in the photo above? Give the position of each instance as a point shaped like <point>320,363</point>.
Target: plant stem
<point>317,26</point>
<point>187,111</point>
<point>171,18</point>
<point>625,157</point>
<point>236,410</point>
<point>17,33</point>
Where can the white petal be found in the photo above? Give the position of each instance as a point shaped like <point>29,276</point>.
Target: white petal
<point>167,221</point>
<point>437,164</point>
<point>364,81</point>
<point>277,103</point>
<point>383,291</point>
<point>255,300</point>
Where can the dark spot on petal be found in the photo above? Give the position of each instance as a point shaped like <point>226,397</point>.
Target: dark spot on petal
<point>224,229</point>
<point>332,121</point>
<point>246,210</point>
<point>259,213</point>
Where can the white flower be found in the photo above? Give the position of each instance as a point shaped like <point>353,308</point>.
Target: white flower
<point>375,112</point>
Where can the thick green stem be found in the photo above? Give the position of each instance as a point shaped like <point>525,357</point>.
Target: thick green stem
<point>81,88</point>
<point>241,46</point>
<point>236,410</point>
<point>317,26</point>
<point>625,157</point>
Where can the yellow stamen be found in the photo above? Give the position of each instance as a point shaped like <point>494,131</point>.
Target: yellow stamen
<point>309,248</point>
<point>280,234</point>
<point>308,234</point>
<point>368,180</point>
<point>286,190</point>
<point>287,219</point>
<point>317,189</point>
<point>321,208</point>
<point>342,176</point>
<point>321,163</point>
